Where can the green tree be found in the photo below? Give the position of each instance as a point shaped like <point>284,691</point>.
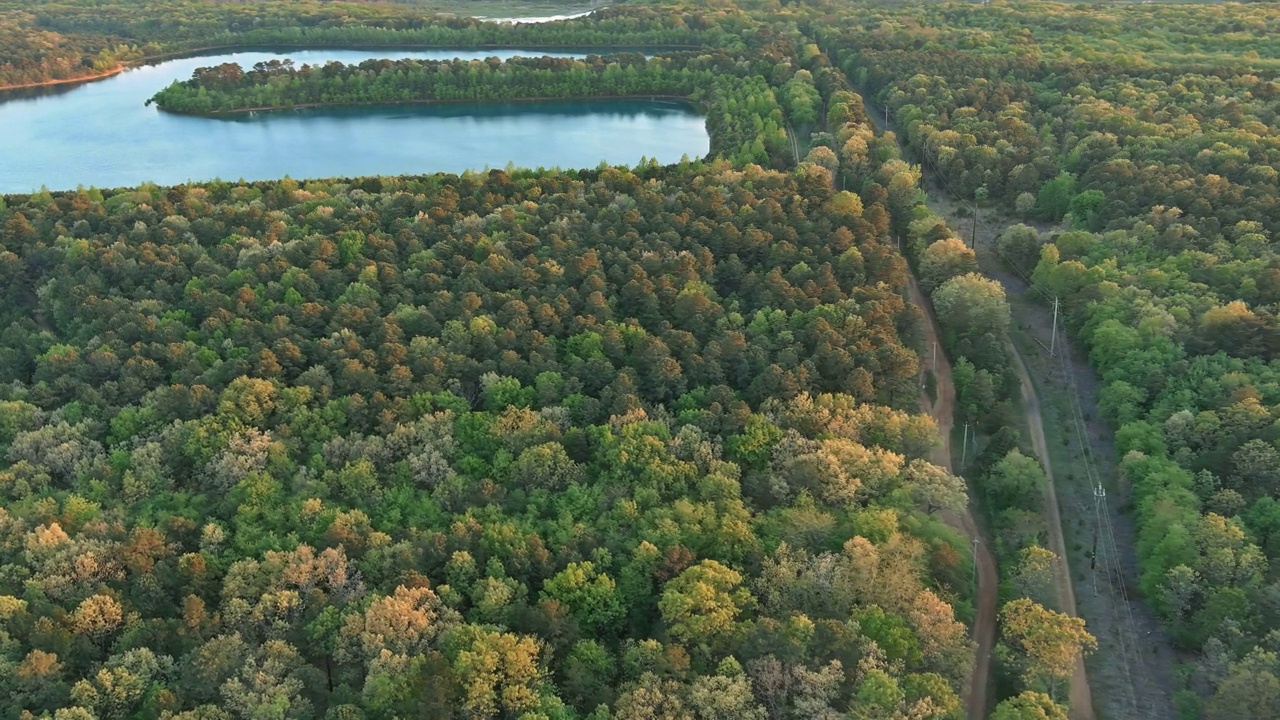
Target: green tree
<point>652,698</point>
<point>591,596</point>
<point>1019,245</point>
<point>1054,200</point>
<point>933,489</point>
<point>975,319</point>
<point>1033,576</point>
<point>1251,688</point>
<point>1086,210</point>
<point>1017,481</point>
<point>499,672</point>
<point>1048,644</point>
<point>726,695</point>
<point>945,259</point>
<point>703,603</point>
<point>589,673</point>
<point>1029,705</point>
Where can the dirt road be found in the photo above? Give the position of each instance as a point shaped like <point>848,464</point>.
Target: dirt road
<point>1132,676</point>
<point>1080,693</point>
<point>1081,696</point>
<point>984,625</point>
<point>941,410</point>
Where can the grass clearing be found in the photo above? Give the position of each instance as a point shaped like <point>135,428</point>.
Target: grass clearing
<point>1129,656</point>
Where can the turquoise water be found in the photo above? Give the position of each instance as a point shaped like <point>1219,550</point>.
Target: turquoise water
<point>102,134</point>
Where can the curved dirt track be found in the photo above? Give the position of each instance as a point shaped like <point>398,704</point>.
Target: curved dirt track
<point>941,410</point>
<point>1081,695</point>
<point>1081,700</point>
<point>984,625</point>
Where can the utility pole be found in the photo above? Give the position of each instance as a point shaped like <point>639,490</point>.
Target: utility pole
<point>935,357</point>
<point>973,240</point>
<point>1099,507</point>
<point>1054,338</point>
<point>1093,562</point>
<point>964,451</point>
<point>975,562</point>
<point>886,116</point>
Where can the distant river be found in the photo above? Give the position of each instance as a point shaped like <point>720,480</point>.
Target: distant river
<point>101,133</point>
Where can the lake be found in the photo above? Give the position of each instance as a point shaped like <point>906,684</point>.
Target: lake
<point>102,134</point>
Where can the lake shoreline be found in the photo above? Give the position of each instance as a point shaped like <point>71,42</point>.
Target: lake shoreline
<point>395,103</point>
<point>196,52</point>
<point>68,81</point>
<point>104,136</point>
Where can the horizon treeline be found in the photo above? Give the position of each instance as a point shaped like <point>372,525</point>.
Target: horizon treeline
<point>57,40</point>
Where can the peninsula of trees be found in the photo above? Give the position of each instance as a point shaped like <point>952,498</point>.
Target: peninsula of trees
<point>280,85</point>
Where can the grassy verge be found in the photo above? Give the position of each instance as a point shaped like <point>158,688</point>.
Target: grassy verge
<point>1129,652</point>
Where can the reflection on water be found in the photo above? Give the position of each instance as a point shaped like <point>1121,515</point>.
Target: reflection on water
<point>101,133</point>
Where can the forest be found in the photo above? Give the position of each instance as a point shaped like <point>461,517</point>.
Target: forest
<point>554,445</point>
<point>642,442</point>
<point>609,443</point>
<point>483,446</point>
<point>1141,145</point>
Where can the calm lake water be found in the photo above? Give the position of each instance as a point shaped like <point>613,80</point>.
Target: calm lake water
<point>102,134</point>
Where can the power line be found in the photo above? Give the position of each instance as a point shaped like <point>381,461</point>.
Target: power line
<point>1053,338</point>
<point>1128,645</point>
<point>1099,499</point>
<point>1127,636</point>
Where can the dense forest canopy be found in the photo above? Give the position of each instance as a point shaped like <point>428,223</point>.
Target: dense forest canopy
<point>534,416</point>
<point>637,443</point>
<point>596,443</point>
<point>1149,136</point>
